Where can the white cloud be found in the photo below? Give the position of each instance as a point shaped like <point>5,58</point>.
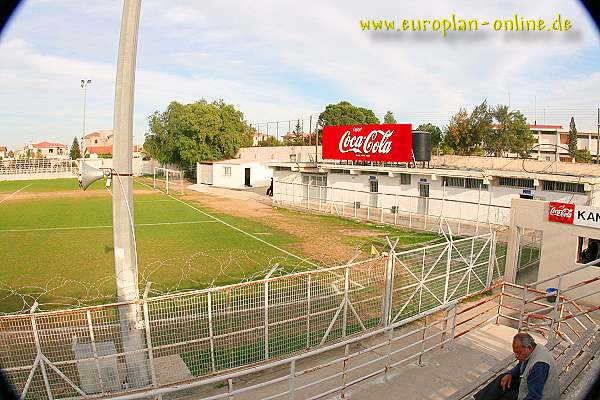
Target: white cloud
<point>278,60</point>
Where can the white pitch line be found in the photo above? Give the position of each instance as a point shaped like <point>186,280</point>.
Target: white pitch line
<point>13,193</point>
<point>241,230</point>
<point>69,228</point>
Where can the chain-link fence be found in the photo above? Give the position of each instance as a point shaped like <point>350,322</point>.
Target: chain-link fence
<point>180,337</point>
<point>415,212</point>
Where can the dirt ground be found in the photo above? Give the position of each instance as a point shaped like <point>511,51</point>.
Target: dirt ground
<point>324,242</point>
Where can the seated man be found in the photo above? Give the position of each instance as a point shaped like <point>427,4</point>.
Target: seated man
<point>535,377</point>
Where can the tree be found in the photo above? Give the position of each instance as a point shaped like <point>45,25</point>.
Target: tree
<point>509,134</point>
<point>572,138</point>
<point>436,134</point>
<point>465,133</point>
<point>345,113</point>
<point>187,133</point>
<point>583,156</point>
<point>296,137</point>
<point>75,152</point>
<point>389,118</point>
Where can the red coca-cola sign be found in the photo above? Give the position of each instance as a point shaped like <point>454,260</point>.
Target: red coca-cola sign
<point>561,212</point>
<point>386,142</point>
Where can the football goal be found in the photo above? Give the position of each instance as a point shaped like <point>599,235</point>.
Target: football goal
<point>167,180</point>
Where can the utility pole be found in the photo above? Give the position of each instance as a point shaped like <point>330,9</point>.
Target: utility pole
<point>123,234</point>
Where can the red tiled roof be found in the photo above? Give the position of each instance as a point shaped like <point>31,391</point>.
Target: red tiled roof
<point>105,149</point>
<point>47,145</point>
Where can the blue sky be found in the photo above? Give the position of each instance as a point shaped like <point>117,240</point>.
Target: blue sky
<point>281,60</point>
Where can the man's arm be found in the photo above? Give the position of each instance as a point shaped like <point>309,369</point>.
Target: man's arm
<point>536,381</point>
<point>516,371</point>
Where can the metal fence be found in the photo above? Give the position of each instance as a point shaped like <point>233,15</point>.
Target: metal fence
<point>27,166</point>
<point>425,213</point>
<point>82,352</point>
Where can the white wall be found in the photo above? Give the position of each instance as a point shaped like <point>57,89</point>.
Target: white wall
<point>491,204</point>
<point>260,175</point>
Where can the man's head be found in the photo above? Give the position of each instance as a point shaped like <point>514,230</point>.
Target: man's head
<point>523,345</point>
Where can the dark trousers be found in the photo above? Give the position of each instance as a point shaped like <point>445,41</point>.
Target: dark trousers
<point>493,391</point>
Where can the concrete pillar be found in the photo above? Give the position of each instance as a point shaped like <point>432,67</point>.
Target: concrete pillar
<point>510,271</point>
<point>123,235</point>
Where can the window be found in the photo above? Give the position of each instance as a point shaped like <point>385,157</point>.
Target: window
<point>292,158</point>
<point>568,187</point>
<point>227,171</point>
<point>515,182</point>
<point>405,179</point>
<point>373,185</point>
<point>467,183</point>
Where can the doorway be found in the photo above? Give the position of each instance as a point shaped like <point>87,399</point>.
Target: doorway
<point>373,191</point>
<point>423,197</point>
<point>247,177</point>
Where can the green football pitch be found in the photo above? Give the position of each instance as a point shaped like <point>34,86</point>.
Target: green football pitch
<point>56,244</point>
<point>60,245</point>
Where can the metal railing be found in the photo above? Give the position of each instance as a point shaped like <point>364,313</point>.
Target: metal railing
<point>33,166</point>
<point>193,335</point>
<point>415,212</point>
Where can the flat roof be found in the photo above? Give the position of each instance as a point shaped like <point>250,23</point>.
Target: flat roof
<point>442,171</point>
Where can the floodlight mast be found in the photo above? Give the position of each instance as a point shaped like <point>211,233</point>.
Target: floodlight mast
<point>125,258</point>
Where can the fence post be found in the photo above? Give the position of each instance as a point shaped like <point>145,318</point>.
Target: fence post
<point>343,203</point>
<point>211,332</point>
<point>230,388</point>
<point>388,288</point>
<point>266,314</point>
<point>423,341</point>
<point>491,259</point>
<point>522,313</point>
<point>389,353</point>
<point>149,340</point>
<point>453,331</point>
<point>344,368</point>
<point>38,348</point>
<point>308,311</point>
<point>500,303</point>
<point>444,327</point>
<point>94,349</point>
<point>448,263</point>
<point>552,333</point>
<point>345,316</point>
<point>292,382</point>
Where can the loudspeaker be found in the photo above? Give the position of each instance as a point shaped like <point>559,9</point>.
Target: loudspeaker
<point>89,175</point>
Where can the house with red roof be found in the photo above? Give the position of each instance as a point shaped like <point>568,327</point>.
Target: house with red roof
<point>44,149</point>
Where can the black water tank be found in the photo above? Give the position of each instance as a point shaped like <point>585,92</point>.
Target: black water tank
<point>421,145</point>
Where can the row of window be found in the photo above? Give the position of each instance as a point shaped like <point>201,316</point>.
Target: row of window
<point>474,183</point>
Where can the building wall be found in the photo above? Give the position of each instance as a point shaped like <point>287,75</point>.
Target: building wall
<point>464,203</point>
<point>559,246</point>
<point>260,175</point>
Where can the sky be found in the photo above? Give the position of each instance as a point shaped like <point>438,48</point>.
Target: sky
<point>279,60</point>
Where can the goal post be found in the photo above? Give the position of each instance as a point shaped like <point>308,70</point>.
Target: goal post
<point>167,180</point>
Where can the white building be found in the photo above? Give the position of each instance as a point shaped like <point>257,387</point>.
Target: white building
<point>470,194</point>
<point>552,142</point>
<point>251,167</point>
<point>44,150</point>
<point>236,173</point>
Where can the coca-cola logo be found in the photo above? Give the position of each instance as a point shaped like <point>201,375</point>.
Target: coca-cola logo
<point>561,212</point>
<point>375,142</point>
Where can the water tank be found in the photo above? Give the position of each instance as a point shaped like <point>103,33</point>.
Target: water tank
<point>421,145</point>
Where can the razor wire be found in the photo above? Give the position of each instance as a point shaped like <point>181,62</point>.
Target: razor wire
<point>192,334</point>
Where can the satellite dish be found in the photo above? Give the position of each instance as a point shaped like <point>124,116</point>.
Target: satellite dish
<point>89,175</point>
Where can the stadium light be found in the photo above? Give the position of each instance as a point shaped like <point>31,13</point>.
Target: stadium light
<point>84,85</point>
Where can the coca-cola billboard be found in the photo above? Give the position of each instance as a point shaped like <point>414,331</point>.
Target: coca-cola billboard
<point>386,142</point>
<point>561,212</point>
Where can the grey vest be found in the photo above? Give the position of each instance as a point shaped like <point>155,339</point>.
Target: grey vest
<point>552,386</point>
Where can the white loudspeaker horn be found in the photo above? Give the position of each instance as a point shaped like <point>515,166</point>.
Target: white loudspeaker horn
<point>89,175</point>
